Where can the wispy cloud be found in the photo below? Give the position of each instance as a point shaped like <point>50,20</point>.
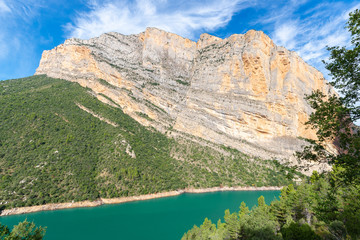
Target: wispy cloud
<point>307,32</point>
<point>5,17</point>
<point>305,26</point>
<point>24,10</point>
<point>310,33</point>
<point>17,41</point>
<point>4,50</point>
<point>285,34</point>
<point>4,7</point>
<point>185,18</point>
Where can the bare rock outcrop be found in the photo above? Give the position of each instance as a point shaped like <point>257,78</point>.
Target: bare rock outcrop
<point>243,91</point>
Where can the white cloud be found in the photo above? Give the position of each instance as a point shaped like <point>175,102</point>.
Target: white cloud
<point>4,49</point>
<point>4,7</point>
<point>285,34</point>
<point>185,18</point>
<point>17,41</point>
<point>310,33</point>
<point>4,45</point>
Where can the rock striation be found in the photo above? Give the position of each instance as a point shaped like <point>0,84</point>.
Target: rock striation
<point>243,91</point>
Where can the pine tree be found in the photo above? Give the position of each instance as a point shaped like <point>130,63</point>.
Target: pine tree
<point>4,231</point>
<point>24,230</point>
<point>232,224</point>
<point>244,210</point>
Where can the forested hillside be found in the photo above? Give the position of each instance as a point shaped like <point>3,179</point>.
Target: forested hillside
<point>60,143</point>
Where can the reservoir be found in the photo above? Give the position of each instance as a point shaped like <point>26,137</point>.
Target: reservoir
<point>161,219</point>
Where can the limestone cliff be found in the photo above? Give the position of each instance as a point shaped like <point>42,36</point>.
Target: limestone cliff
<point>243,91</point>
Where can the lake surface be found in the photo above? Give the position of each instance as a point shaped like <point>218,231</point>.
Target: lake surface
<point>162,218</point>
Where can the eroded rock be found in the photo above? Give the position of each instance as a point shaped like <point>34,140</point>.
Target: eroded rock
<point>242,91</point>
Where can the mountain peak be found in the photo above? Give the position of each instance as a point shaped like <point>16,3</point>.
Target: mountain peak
<point>207,39</point>
<point>242,91</point>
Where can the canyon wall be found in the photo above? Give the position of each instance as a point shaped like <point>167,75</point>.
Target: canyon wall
<point>243,91</point>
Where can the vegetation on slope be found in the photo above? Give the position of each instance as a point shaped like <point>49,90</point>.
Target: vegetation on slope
<point>328,207</point>
<point>51,150</point>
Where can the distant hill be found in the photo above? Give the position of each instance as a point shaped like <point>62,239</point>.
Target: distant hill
<point>59,143</point>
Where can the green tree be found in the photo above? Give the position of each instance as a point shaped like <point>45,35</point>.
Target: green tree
<point>261,201</point>
<point>337,230</point>
<point>260,223</point>
<point>244,210</point>
<point>296,231</point>
<point>334,115</point>
<point>24,230</point>
<point>4,231</point>
<point>232,222</point>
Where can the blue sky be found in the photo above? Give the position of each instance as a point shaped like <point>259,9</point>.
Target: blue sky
<point>27,27</point>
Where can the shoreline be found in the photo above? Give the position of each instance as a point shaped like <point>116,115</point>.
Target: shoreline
<point>102,201</point>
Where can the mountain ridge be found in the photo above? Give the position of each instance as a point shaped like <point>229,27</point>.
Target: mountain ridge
<point>242,91</point>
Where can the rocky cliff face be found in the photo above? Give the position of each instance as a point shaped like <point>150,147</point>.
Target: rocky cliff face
<point>244,91</point>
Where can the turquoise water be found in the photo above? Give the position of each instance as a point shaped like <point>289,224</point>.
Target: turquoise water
<point>162,218</point>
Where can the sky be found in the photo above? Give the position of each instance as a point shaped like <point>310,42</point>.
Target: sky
<point>28,27</point>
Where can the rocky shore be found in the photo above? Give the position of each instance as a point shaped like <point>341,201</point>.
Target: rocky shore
<point>101,201</point>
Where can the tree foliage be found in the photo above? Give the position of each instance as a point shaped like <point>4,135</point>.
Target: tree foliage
<point>334,115</point>
<point>303,212</point>
<point>24,230</point>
